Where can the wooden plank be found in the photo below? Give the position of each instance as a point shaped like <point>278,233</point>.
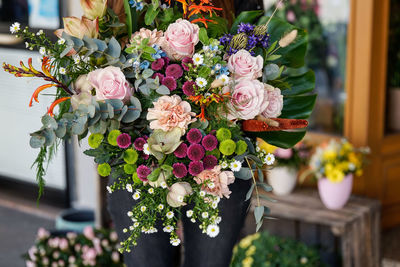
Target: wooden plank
<point>346,248</point>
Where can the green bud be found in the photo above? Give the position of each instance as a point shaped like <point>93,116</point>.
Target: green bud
<point>130,156</point>
<point>227,147</point>
<point>112,137</point>
<point>129,168</point>
<point>95,140</point>
<point>104,169</point>
<point>223,134</point>
<point>241,147</point>
<point>136,179</point>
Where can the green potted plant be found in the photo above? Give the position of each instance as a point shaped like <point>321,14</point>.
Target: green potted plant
<point>394,68</point>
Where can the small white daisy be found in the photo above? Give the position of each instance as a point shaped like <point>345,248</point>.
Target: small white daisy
<point>202,193</point>
<point>143,208</point>
<point>168,229</point>
<point>146,149</point>
<point>130,213</point>
<point>175,242</point>
<point>204,215</point>
<point>214,205</point>
<point>136,195</point>
<point>198,59</point>
<point>193,220</point>
<point>218,220</point>
<point>258,149</point>
<point>63,70</point>
<point>160,207</point>
<point>269,159</point>
<point>42,51</point>
<point>211,185</point>
<point>136,224</point>
<point>163,185</point>
<point>224,165</point>
<point>125,230</point>
<point>189,213</point>
<point>236,166</point>
<point>180,198</point>
<point>77,59</point>
<point>40,32</point>
<point>131,227</point>
<point>170,214</point>
<point>26,44</point>
<point>217,200</point>
<point>109,189</point>
<point>224,78</point>
<point>15,27</point>
<point>201,82</point>
<point>212,230</point>
<point>151,191</point>
<point>129,188</point>
<point>218,66</point>
<point>261,154</point>
<point>61,41</point>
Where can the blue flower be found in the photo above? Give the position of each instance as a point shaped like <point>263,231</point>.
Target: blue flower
<point>224,70</point>
<point>159,53</point>
<point>145,65</point>
<point>138,5</point>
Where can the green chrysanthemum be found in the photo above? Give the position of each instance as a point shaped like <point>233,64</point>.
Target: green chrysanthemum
<point>130,156</point>
<point>104,169</point>
<point>129,168</point>
<point>136,179</point>
<point>223,134</point>
<point>95,140</point>
<point>241,147</point>
<point>112,137</point>
<point>227,147</point>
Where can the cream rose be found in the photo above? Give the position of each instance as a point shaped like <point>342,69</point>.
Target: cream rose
<point>110,83</point>
<point>180,39</point>
<point>244,66</point>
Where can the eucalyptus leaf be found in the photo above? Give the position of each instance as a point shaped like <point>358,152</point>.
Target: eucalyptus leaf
<point>271,72</point>
<point>147,73</point>
<point>163,90</point>
<point>244,174</point>
<point>49,122</point>
<point>37,141</point>
<point>258,213</point>
<point>250,192</point>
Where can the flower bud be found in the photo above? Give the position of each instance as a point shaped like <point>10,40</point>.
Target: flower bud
<point>177,193</point>
<point>93,9</point>
<point>260,29</point>
<point>239,41</point>
<point>288,38</point>
<point>80,27</point>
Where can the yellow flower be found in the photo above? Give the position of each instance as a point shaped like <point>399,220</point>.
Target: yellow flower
<point>343,166</point>
<point>245,242</point>
<point>335,176</point>
<point>354,158</point>
<point>329,155</point>
<point>359,172</point>
<point>251,251</point>
<point>247,262</point>
<point>265,146</point>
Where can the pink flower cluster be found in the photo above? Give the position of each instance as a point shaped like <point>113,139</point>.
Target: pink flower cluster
<point>168,74</point>
<point>195,151</point>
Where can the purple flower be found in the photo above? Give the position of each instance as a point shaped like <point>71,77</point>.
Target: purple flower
<point>160,77</point>
<point>195,167</point>
<point>139,143</point>
<point>209,142</point>
<point>188,88</point>
<point>245,27</point>
<point>209,162</point>
<point>185,62</point>
<point>252,41</point>
<point>226,39</point>
<point>143,171</point>
<point>174,70</point>
<point>124,140</point>
<point>232,51</point>
<point>166,60</point>
<point>180,170</point>
<point>145,156</point>
<point>158,64</point>
<point>195,152</point>
<point>169,82</point>
<point>194,136</point>
<point>181,151</point>
<point>265,41</point>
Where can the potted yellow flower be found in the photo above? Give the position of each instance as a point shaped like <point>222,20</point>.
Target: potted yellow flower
<point>334,164</point>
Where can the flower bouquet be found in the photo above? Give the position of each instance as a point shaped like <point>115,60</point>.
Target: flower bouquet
<point>172,101</point>
<point>95,247</point>
<point>334,163</point>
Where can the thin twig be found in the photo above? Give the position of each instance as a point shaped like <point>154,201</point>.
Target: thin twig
<point>273,13</point>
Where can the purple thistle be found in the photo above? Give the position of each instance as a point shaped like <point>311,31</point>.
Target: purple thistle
<point>143,171</point>
<point>194,136</point>
<point>209,142</point>
<point>209,162</point>
<point>195,152</point>
<point>195,167</point>
<point>180,170</point>
<point>124,140</point>
<point>181,151</point>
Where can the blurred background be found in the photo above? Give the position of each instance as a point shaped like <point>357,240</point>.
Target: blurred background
<point>355,53</point>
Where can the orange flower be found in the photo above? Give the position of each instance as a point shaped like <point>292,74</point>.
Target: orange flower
<point>55,103</point>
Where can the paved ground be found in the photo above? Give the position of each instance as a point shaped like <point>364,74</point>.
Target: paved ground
<point>17,233</point>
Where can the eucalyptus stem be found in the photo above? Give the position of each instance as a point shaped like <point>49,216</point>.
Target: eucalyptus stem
<point>255,183</point>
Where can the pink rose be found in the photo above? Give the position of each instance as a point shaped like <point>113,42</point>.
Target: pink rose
<point>180,39</point>
<point>275,102</point>
<point>249,99</point>
<point>170,112</point>
<point>244,66</point>
<point>88,232</point>
<point>154,36</point>
<point>283,153</point>
<point>110,83</point>
<point>220,181</point>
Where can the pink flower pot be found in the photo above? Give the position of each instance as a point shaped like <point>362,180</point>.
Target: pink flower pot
<point>335,195</point>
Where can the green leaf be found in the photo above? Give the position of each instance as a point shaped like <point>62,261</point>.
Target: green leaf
<point>151,14</point>
<point>300,84</point>
<point>154,175</point>
<point>49,122</point>
<point>281,139</point>
<point>258,213</point>
<point>203,36</point>
<point>217,29</point>
<point>273,57</point>
<point>149,49</point>
<point>246,17</point>
<point>128,13</point>
<point>250,192</point>
<point>298,107</point>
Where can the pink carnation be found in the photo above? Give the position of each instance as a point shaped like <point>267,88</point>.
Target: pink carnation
<point>275,102</point>
<point>180,39</point>
<point>244,66</point>
<point>188,88</point>
<point>195,152</point>
<point>139,143</point>
<point>220,179</point>
<point>181,151</point>
<point>169,82</point>
<point>124,140</point>
<point>170,112</point>
<point>185,62</point>
<point>157,64</point>
<point>174,70</point>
